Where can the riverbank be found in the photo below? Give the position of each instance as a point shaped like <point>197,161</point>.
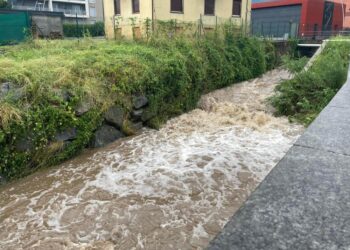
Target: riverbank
<point>304,202</point>
<point>174,188</point>
<point>59,97</point>
<point>308,93</point>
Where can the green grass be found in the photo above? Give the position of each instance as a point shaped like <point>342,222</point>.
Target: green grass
<point>303,97</point>
<point>173,74</point>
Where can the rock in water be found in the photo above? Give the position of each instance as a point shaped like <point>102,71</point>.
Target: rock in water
<point>105,135</point>
<point>140,101</point>
<point>115,116</point>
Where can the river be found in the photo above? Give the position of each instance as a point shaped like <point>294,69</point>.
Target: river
<point>174,188</point>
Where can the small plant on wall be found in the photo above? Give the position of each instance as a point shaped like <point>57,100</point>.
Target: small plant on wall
<point>148,27</point>
<point>117,27</point>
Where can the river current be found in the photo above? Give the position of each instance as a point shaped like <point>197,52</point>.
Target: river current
<point>174,188</point>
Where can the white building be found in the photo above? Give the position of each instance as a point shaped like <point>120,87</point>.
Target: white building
<point>87,11</point>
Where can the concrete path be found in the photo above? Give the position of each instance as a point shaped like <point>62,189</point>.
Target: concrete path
<point>304,203</point>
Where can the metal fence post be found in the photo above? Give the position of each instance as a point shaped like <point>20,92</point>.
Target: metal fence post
<point>76,25</point>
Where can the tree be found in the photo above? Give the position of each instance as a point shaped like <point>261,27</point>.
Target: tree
<point>4,4</point>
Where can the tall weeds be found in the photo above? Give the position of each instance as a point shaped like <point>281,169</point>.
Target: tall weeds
<point>57,76</point>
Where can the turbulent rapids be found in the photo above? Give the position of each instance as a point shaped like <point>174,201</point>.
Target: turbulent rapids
<point>169,189</point>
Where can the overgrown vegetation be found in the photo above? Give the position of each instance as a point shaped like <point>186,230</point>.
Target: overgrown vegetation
<point>81,30</point>
<point>54,77</point>
<point>294,64</point>
<point>304,96</point>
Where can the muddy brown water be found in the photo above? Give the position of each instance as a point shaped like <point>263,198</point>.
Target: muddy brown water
<point>169,189</point>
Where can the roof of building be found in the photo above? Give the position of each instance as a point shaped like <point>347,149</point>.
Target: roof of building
<point>276,3</point>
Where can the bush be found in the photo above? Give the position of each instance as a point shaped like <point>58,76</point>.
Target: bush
<point>4,4</point>
<point>294,65</point>
<point>173,74</point>
<point>72,30</point>
<point>304,96</point>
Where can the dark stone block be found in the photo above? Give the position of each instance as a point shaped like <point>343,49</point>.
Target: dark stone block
<point>24,145</point>
<point>136,126</point>
<point>82,108</point>
<point>136,115</point>
<point>67,134</point>
<point>105,135</point>
<point>147,115</point>
<point>11,91</point>
<point>63,94</point>
<point>4,88</point>
<point>2,180</point>
<point>140,101</point>
<point>115,116</point>
<point>304,203</point>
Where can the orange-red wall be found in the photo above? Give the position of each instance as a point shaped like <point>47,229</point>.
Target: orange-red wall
<point>311,13</point>
<point>346,10</point>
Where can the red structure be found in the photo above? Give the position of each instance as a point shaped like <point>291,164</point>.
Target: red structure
<point>316,17</point>
<point>346,24</point>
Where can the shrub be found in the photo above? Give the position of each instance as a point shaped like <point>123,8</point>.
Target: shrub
<point>4,4</point>
<point>304,96</point>
<point>81,30</point>
<point>294,65</point>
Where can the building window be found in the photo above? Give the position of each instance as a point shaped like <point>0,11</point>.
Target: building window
<point>135,6</point>
<point>237,4</point>
<point>117,7</point>
<point>92,12</point>
<point>209,7</point>
<point>177,6</point>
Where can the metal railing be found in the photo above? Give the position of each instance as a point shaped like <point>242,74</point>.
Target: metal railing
<point>287,30</point>
<point>25,7</point>
<point>71,12</point>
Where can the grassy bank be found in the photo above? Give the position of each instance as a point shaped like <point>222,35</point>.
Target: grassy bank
<point>304,97</point>
<point>52,78</point>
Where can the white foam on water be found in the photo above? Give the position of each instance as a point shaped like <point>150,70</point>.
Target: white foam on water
<point>169,189</point>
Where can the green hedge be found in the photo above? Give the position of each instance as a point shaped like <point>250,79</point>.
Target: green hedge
<point>81,30</point>
<point>173,74</point>
<point>303,97</point>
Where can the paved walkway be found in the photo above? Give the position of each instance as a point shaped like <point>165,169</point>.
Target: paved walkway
<point>304,203</point>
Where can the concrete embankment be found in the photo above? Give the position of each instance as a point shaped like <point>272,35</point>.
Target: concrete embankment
<point>304,202</point>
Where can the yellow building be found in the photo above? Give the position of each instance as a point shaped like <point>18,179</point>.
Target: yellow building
<point>128,17</point>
